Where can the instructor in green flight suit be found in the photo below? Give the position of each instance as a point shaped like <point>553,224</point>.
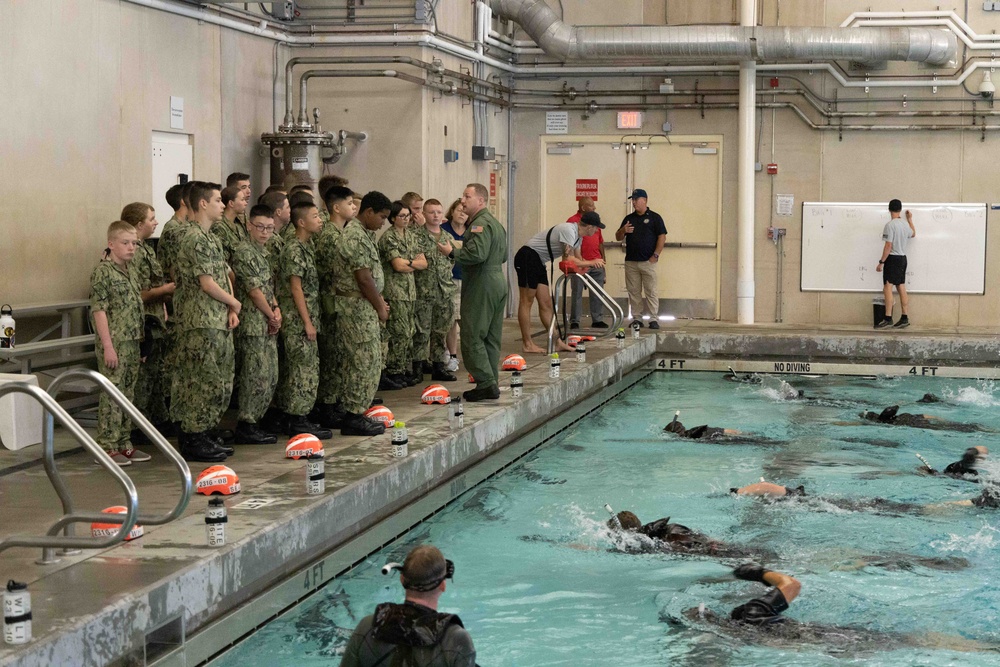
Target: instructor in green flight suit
<point>484,292</point>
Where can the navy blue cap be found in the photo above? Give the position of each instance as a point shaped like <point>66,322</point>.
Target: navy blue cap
<point>592,219</point>
<point>639,192</point>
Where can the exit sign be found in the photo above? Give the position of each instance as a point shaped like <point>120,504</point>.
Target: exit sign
<point>629,120</point>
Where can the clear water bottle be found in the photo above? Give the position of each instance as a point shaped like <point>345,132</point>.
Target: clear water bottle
<point>400,440</point>
<point>458,413</point>
<point>516,384</point>
<point>620,338</point>
<point>554,365</point>
<point>635,329</point>
<point>16,613</point>
<point>215,522</point>
<point>315,474</point>
<point>581,352</point>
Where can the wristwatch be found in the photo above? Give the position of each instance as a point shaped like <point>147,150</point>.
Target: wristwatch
<point>656,255</point>
<point>881,261</point>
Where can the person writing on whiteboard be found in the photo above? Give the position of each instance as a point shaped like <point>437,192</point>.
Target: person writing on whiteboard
<point>644,234</point>
<point>892,264</point>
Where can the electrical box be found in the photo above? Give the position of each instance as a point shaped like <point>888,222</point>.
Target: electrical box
<point>450,156</point>
<point>775,233</point>
<point>484,153</point>
<point>772,168</point>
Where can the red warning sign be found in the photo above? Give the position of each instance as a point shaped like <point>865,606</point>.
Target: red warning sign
<point>586,187</point>
<point>493,185</point>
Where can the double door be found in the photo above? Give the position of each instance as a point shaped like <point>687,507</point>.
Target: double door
<point>684,181</point>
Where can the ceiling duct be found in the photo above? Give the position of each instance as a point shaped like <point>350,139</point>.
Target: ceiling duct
<point>763,43</point>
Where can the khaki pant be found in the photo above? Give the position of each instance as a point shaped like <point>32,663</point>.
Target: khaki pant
<point>640,282</point>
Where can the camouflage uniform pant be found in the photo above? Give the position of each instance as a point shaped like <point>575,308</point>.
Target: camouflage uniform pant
<point>297,386</point>
<point>360,358</point>
<point>203,378</point>
<point>329,349</point>
<point>258,375</point>
<point>153,383</point>
<point>399,336</point>
<point>423,319</point>
<point>442,317</point>
<point>113,427</point>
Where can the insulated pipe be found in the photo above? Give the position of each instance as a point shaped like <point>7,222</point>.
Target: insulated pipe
<point>745,286</point>
<point>743,42</point>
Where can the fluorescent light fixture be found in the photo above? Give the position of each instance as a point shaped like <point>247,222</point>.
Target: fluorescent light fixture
<point>667,318</point>
<point>616,147</point>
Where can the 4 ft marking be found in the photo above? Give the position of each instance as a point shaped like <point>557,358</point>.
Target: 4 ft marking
<point>316,578</point>
<point>924,370</point>
<point>670,363</point>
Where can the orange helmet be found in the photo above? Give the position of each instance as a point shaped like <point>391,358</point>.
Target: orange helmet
<point>435,393</point>
<point>588,338</point>
<point>108,529</point>
<point>573,340</point>
<point>302,445</point>
<point>217,479</point>
<point>380,413</point>
<point>513,362</point>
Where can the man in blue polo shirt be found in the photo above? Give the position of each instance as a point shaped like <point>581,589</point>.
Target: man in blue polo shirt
<point>644,234</point>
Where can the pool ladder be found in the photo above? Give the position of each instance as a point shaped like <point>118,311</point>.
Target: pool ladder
<point>69,541</point>
<point>559,289</point>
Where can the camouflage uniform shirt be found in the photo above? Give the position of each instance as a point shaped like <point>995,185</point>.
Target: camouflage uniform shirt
<point>298,259</point>
<point>115,291</point>
<point>395,244</point>
<point>200,254</point>
<point>250,264</point>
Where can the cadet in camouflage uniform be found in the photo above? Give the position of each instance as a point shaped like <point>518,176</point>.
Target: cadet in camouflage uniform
<point>400,260</point>
<point>229,229</point>
<point>440,289</point>
<point>153,383</point>
<point>241,182</point>
<point>340,205</point>
<point>358,281</point>
<point>256,337</point>
<point>207,312</point>
<point>422,283</point>
<point>116,316</point>
<point>166,245</point>
<point>298,296</point>
<point>277,202</point>
<point>484,292</point>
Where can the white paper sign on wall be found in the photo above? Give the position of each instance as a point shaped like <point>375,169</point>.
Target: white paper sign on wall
<point>176,113</point>
<point>556,122</point>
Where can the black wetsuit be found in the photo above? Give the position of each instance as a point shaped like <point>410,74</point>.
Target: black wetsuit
<point>676,538</point>
<point>989,498</point>
<point>409,634</point>
<point>893,417</point>
<point>715,434</point>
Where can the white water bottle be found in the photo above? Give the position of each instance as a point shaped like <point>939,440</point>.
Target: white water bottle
<point>215,522</point>
<point>458,414</point>
<point>516,384</point>
<point>315,474</point>
<point>554,365</point>
<point>581,352</point>
<point>7,326</point>
<point>635,329</point>
<point>16,613</point>
<point>400,440</point>
<point>620,338</point>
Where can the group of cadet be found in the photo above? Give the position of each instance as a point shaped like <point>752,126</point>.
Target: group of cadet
<point>294,306</point>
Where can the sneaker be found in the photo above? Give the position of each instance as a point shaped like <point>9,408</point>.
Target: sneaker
<point>599,325</point>
<point>117,457</point>
<point>887,322</point>
<point>903,322</point>
<point>134,455</point>
<point>452,364</point>
<point>653,324</point>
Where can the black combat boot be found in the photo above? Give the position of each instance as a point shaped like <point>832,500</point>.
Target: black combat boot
<point>198,448</point>
<point>481,394</point>
<point>389,382</point>
<point>250,434</point>
<point>354,424</point>
<point>416,376</point>
<point>327,415</point>
<point>440,374</point>
<point>299,424</point>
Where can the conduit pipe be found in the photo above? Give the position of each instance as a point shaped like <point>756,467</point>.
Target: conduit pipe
<point>745,282</point>
<point>744,42</point>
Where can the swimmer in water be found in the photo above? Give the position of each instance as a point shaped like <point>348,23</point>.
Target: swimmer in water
<point>893,417</point>
<point>715,433</point>
<point>772,491</point>
<point>746,378</point>
<point>676,538</point>
<point>769,490</point>
<point>761,621</point>
<point>963,468</point>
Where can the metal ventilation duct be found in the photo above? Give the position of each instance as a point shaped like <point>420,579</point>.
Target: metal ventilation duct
<point>772,44</point>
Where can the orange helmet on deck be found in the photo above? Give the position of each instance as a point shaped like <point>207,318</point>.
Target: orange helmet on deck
<point>217,479</point>
<point>382,414</point>
<point>513,362</point>
<point>303,445</point>
<point>98,529</point>
<point>435,393</point>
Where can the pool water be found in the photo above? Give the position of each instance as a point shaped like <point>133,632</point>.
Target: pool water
<point>541,581</point>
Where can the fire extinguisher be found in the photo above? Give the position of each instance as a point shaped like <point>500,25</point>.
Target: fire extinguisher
<point>6,326</point>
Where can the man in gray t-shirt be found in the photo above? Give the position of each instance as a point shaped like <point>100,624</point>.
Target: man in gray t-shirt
<point>551,245</point>
<point>892,265</point>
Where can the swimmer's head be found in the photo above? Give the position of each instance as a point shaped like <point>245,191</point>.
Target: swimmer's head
<point>799,490</point>
<point>675,427</point>
<point>425,568</point>
<point>982,449</point>
<point>869,416</point>
<point>628,521</point>
<point>972,455</point>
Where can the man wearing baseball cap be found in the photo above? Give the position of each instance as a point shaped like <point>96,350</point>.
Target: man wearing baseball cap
<point>644,234</point>
<point>562,242</point>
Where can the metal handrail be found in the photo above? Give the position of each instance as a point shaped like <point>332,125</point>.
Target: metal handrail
<point>69,541</point>
<point>617,313</point>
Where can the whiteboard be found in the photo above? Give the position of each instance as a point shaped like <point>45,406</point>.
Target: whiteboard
<point>842,243</point>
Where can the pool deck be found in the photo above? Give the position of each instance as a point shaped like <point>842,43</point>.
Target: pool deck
<point>99,607</point>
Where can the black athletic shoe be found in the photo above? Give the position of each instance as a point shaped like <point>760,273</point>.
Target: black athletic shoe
<point>887,322</point>
<point>903,322</point>
<point>574,325</point>
<point>354,424</point>
<point>198,448</point>
<point>440,374</point>
<point>653,324</point>
<point>250,434</point>
<point>599,325</point>
<point>298,424</point>
<point>639,322</point>
<point>482,394</point>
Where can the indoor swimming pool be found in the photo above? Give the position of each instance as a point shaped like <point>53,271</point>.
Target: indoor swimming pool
<point>540,579</point>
